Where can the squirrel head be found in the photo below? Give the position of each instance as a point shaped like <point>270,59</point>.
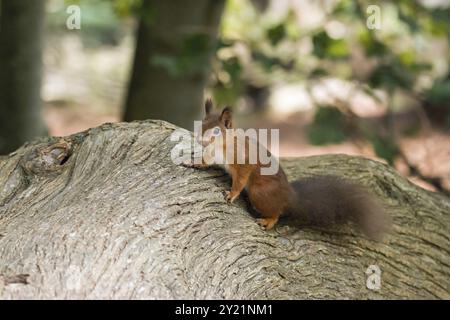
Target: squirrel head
<point>215,125</point>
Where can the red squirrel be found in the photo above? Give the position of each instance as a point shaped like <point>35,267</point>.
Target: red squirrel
<point>320,201</point>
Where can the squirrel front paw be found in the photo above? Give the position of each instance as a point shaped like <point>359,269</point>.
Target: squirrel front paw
<point>191,164</point>
<point>230,197</point>
<point>188,163</point>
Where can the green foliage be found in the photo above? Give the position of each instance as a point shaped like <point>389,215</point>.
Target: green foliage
<point>438,23</point>
<point>397,55</point>
<point>345,8</point>
<point>276,33</point>
<point>265,61</point>
<point>384,147</point>
<point>439,93</point>
<point>438,99</point>
<point>318,72</point>
<point>394,70</point>
<point>329,126</point>
<point>371,45</point>
<point>391,76</point>
<point>126,8</point>
<point>232,67</point>
<point>328,48</point>
<point>259,49</point>
<point>229,88</point>
<point>100,24</point>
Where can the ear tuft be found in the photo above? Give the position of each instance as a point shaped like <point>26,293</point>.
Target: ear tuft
<point>208,106</point>
<point>227,117</point>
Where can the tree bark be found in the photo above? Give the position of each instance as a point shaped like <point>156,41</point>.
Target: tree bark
<point>21,31</point>
<point>168,30</point>
<point>106,214</point>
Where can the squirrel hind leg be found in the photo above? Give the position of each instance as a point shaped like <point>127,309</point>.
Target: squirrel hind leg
<point>267,223</point>
<point>269,215</point>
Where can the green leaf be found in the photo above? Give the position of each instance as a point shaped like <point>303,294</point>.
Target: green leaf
<point>126,8</point>
<point>265,61</point>
<point>318,72</point>
<point>328,48</point>
<point>439,93</point>
<point>384,148</point>
<point>233,67</point>
<point>276,34</point>
<point>409,17</point>
<point>328,127</point>
<point>371,45</point>
<point>391,76</point>
<point>345,8</point>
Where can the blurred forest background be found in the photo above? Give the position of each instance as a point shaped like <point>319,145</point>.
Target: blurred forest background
<point>360,77</point>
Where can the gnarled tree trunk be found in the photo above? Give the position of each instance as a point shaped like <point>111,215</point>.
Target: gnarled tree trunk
<point>106,214</point>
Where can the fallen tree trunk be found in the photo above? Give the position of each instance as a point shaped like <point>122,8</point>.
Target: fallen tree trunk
<point>106,214</point>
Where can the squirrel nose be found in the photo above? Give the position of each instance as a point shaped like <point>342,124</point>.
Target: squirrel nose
<point>203,141</point>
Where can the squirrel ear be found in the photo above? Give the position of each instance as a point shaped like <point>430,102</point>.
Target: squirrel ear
<point>208,106</point>
<point>226,117</point>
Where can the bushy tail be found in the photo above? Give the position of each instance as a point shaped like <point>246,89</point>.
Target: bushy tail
<point>329,200</point>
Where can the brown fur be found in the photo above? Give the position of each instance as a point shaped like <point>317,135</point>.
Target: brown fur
<point>319,201</point>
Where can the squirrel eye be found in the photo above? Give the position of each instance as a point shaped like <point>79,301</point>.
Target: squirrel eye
<point>216,131</point>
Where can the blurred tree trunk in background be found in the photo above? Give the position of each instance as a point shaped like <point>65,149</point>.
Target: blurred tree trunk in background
<point>175,42</point>
<point>21,31</point>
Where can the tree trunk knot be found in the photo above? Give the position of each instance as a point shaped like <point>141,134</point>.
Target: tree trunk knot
<point>47,157</point>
